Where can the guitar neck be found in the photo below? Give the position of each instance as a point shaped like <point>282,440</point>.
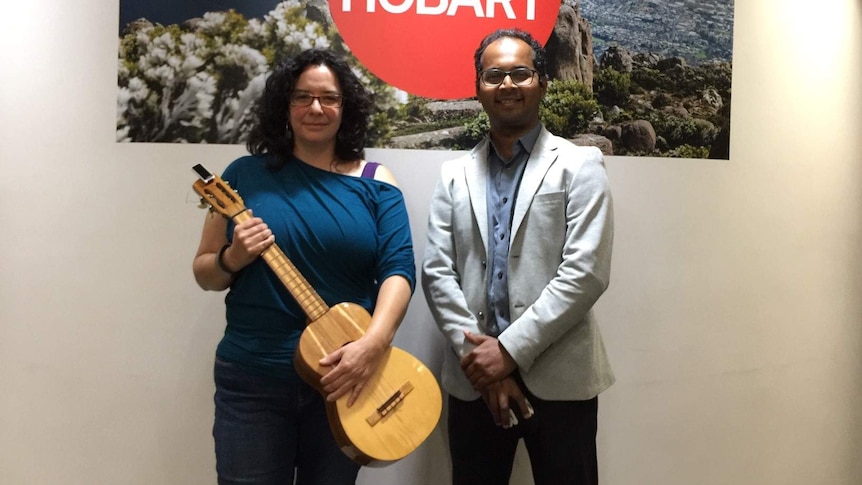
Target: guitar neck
<point>304,294</point>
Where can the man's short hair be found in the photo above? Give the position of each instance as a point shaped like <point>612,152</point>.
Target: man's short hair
<point>539,58</point>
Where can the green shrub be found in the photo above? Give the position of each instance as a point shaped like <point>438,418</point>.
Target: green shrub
<point>477,127</point>
<point>680,131</point>
<point>568,107</point>
<point>379,129</point>
<point>612,87</point>
<point>712,75</point>
<point>415,109</point>
<point>649,79</point>
<point>688,151</point>
<point>616,116</point>
<point>660,100</point>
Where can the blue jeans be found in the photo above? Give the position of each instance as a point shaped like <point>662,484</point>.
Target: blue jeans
<point>268,431</point>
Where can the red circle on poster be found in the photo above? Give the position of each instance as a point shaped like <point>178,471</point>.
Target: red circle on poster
<point>425,47</point>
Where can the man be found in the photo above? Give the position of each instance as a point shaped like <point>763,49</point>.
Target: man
<point>518,252</point>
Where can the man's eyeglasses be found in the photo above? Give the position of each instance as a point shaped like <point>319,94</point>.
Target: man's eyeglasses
<point>303,100</point>
<point>520,76</point>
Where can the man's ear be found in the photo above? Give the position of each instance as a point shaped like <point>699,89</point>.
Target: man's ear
<point>543,84</point>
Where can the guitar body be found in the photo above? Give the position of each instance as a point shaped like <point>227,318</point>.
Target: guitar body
<point>397,409</point>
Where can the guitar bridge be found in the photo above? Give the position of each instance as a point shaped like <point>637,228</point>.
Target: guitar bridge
<point>389,405</point>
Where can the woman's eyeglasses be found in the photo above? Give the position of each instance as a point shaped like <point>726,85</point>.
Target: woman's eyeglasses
<point>303,100</point>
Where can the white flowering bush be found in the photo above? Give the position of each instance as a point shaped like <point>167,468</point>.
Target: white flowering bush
<point>198,83</point>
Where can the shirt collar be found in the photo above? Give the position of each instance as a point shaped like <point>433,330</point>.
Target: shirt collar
<point>526,142</point>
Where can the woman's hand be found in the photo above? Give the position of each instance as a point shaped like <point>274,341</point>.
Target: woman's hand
<point>353,365</point>
<point>355,362</point>
<point>250,238</point>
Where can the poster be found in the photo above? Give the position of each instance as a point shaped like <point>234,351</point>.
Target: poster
<point>633,77</point>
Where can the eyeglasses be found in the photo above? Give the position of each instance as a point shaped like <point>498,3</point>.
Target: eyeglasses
<point>520,76</point>
<point>303,100</point>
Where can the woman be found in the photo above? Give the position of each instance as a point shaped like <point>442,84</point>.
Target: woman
<point>346,231</point>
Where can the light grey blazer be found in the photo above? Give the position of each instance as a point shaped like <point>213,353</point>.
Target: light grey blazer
<point>559,265</point>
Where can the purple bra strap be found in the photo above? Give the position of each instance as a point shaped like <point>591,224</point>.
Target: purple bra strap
<point>369,170</point>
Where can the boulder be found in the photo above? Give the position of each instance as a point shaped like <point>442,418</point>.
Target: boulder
<point>593,140</point>
<point>570,48</point>
<point>638,136</point>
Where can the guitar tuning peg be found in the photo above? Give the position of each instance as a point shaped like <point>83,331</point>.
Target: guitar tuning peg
<point>203,204</point>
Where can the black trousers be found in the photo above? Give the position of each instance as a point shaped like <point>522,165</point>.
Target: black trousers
<point>560,439</point>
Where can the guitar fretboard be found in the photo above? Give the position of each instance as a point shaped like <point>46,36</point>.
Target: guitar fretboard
<point>304,294</point>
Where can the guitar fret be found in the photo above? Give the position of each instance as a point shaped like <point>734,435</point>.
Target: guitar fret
<point>302,292</point>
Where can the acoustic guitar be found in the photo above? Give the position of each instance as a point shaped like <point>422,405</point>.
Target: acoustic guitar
<point>401,402</point>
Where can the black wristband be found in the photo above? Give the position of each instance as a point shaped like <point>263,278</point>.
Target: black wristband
<point>220,260</point>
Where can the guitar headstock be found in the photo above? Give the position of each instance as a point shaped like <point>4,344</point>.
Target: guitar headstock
<point>216,193</point>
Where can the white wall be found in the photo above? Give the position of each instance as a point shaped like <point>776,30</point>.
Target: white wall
<point>732,318</point>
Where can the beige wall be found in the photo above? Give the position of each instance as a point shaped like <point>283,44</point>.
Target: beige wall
<point>733,317</point>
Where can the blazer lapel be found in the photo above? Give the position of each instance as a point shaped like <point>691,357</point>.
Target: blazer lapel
<point>543,155</point>
<point>476,173</point>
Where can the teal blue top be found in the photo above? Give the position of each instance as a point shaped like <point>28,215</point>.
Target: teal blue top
<point>344,234</point>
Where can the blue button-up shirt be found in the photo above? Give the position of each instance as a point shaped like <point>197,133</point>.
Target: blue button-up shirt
<point>504,178</point>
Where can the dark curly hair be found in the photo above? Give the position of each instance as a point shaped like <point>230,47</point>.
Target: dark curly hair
<point>539,57</point>
<point>271,134</point>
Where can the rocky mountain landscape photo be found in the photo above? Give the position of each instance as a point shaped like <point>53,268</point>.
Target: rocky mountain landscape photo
<point>632,77</point>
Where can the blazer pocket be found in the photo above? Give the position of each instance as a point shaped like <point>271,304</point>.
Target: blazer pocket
<point>545,223</point>
<point>550,198</point>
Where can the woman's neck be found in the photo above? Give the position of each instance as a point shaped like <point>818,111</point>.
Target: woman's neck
<point>322,157</point>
